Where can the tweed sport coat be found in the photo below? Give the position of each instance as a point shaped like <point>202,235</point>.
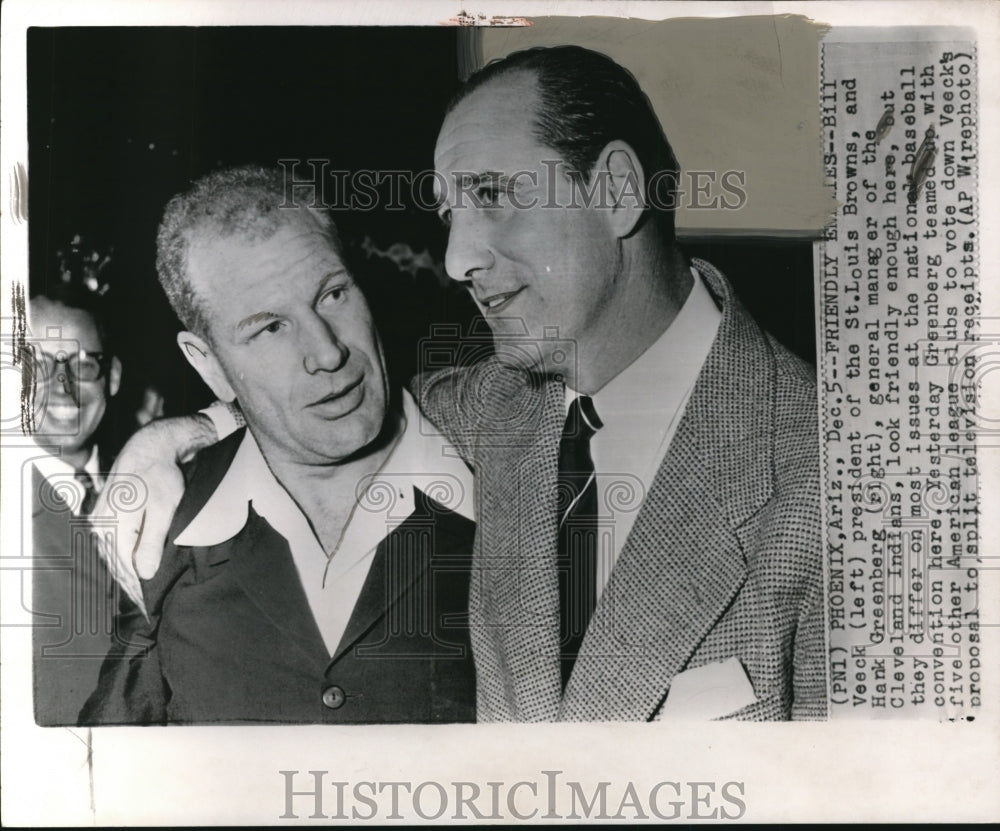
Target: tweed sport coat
<point>724,559</point>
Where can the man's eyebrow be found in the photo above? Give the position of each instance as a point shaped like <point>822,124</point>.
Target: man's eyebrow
<point>331,277</point>
<point>487,177</point>
<point>468,182</point>
<point>257,317</point>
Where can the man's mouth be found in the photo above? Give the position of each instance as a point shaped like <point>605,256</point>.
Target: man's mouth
<point>343,401</point>
<point>62,412</point>
<point>498,302</point>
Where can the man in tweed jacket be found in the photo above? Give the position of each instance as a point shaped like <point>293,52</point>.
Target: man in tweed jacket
<point>722,561</point>
<point>555,179</point>
<point>557,184</point>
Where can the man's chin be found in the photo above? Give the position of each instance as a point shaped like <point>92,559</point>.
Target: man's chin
<point>522,352</point>
<point>537,356</point>
<point>58,433</point>
<point>67,442</point>
<point>351,440</point>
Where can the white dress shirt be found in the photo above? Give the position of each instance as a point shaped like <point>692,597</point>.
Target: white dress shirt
<point>57,471</point>
<point>641,408</point>
<point>421,459</point>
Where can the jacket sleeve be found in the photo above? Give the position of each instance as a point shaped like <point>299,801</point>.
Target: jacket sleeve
<point>131,688</point>
<point>809,656</point>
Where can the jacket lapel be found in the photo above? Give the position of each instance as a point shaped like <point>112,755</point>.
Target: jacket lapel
<point>45,497</point>
<point>677,574</point>
<point>400,560</point>
<point>683,562</point>
<point>262,565</point>
<point>514,596</point>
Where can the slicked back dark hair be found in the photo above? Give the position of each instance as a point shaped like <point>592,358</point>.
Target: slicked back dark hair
<point>585,101</point>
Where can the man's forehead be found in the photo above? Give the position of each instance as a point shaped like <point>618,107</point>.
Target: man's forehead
<point>235,275</point>
<point>289,230</point>
<point>502,110</point>
<point>50,319</point>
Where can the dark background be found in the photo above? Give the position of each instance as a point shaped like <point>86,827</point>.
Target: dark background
<point>121,119</point>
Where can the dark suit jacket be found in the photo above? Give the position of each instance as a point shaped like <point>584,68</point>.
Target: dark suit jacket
<point>74,601</point>
<point>724,559</point>
<point>231,637</point>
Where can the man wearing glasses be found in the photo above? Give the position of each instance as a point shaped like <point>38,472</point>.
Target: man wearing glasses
<point>71,374</point>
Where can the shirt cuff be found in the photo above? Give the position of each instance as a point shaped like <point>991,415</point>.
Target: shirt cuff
<point>227,417</point>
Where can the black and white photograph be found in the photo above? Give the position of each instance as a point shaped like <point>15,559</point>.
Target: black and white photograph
<point>499,414</point>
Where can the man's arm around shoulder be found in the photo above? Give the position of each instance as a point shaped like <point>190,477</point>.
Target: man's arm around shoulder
<point>153,456</point>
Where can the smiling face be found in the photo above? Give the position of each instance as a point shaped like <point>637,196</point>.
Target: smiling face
<point>291,338</point>
<point>73,409</point>
<point>533,269</point>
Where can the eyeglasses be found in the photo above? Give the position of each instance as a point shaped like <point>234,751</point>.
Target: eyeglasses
<point>82,366</point>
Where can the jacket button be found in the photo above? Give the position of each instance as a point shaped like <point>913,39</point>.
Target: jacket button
<point>333,697</point>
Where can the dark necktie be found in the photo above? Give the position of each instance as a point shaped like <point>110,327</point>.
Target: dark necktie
<point>89,490</point>
<point>577,555</point>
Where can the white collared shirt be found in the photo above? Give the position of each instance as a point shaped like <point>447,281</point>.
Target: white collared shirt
<point>421,459</point>
<point>55,469</point>
<point>641,408</point>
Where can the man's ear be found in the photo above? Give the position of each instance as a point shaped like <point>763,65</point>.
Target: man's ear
<point>114,377</point>
<point>200,355</point>
<point>626,185</point>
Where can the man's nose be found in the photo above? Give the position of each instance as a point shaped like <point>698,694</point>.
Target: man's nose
<point>323,350</point>
<point>62,384</point>
<point>469,253</point>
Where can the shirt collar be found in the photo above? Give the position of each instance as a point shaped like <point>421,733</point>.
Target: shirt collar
<point>55,468</point>
<point>661,377</point>
<point>58,465</point>
<point>421,459</point>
